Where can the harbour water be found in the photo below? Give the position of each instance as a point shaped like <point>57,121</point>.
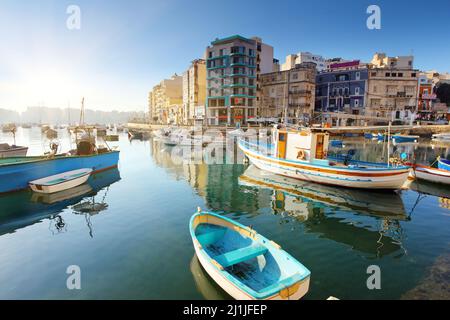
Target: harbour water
<point>128,229</point>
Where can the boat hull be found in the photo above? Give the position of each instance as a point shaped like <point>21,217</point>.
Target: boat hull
<point>16,175</point>
<point>431,174</point>
<point>68,184</point>
<point>388,179</point>
<point>14,152</point>
<point>233,290</point>
<point>403,139</point>
<point>289,291</point>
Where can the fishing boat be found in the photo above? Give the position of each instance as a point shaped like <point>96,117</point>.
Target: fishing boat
<point>403,138</point>
<point>441,137</point>
<point>61,182</point>
<point>7,150</point>
<point>370,135</point>
<point>17,172</point>
<point>303,154</point>
<point>441,174</point>
<point>244,263</point>
<point>336,144</point>
<point>444,164</point>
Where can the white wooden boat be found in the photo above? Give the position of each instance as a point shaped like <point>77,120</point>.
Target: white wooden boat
<point>60,182</point>
<point>302,154</point>
<point>244,263</point>
<point>430,174</point>
<point>12,151</point>
<point>441,137</point>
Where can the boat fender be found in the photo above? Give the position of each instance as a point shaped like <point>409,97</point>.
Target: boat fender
<point>301,154</point>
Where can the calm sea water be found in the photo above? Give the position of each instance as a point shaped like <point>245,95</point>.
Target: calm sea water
<point>128,229</point>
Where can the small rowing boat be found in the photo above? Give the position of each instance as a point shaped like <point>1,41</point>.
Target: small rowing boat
<point>441,137</point>
<point>244,263</point>
<point>444,164</point>
<point>12,151</point>
<point>403,138</point>
<point>62,181</point>
<point>441,174</point>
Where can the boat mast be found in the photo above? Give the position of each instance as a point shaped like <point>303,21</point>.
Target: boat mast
<point>82,112</point>
<point>388,143</point>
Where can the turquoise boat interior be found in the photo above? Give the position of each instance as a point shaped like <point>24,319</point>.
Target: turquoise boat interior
<point>256,265</point>
<point>444,164</point>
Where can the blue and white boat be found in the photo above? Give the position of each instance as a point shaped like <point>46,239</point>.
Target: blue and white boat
<point>403,138</point>
<point>244,263</point>
<point>444,164</point>
<point>303,154</point>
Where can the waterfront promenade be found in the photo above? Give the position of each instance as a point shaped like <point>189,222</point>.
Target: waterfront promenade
<point>421,130</point>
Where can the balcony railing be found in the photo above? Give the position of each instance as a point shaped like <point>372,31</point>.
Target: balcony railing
<point>300,92</point>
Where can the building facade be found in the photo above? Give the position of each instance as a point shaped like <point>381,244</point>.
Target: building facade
<point>289,94</point>
<point>341,92</point>
<point>294,59</point>
<point>425,96</point>
<point>166,101</point>
<point>234,66</point>
<point>392,88</point>
<point>194,91</point>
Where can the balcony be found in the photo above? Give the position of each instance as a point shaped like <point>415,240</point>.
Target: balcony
<point>299,105</point>
<point>300,92</point>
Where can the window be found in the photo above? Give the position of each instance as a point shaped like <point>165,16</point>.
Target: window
<point>373,74</point>
<point>210,54</point>
<point>358,75</point>
<point>394,74</point>
<point>374,88</point>
<point>295,75</point>
<point>250,103</point>
<point>387,74</point>
<point>356,103</point>
<point>400,75</point>
<point>413,75</point>
<point>357,91</point>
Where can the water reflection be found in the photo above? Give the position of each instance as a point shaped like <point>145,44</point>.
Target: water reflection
<point>316,206</point>
<point>21,209</point>
<point>205,285</point>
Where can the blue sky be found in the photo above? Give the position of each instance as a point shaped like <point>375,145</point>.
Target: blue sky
<point>125,47</point>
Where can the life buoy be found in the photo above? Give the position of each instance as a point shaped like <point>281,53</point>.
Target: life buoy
<point>301,154</point>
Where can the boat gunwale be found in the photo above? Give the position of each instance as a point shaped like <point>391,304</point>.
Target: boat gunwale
<point>87,173</point>
<point>36,159</point>
<point>264,294</point>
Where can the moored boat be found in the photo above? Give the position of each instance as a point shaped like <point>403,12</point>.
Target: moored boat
<point>61,182</point>
<point>244,263</point>
<point>303,155</point>
<point>12,151</point>
<point>444,164</point>
<point>441,137</point>
<point>430,174</point>
<point>403,138</point>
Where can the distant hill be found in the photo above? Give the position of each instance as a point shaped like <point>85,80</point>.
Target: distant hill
<point>63,116</point>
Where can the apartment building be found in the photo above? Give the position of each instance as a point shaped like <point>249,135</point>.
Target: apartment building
<point>294,59</point>
<point>289,94</point>
<point>234,65</point>
<point>392,88</point>
<point>194,92</point>
<point>166,101</point>
<point>342,88</point>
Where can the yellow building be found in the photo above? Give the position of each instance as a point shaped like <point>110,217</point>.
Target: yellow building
<point>166,101</point>
<point>392,88</point>
<point>290,90</point>
<point>194,91</point>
